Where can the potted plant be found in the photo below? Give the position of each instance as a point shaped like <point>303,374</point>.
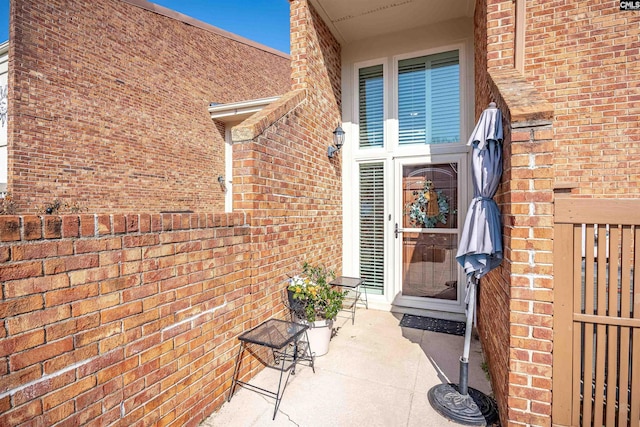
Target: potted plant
<point>316,302</point>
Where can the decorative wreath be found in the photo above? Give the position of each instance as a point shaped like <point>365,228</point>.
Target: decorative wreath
<point>429,208</point>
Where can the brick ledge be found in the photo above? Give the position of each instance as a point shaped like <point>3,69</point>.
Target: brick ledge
<point>521,97</point>
<point>262,120</point>
<point>16,228</point>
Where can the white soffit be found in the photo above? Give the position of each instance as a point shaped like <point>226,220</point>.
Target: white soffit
<point>351,20</point>
<point>239,111</point>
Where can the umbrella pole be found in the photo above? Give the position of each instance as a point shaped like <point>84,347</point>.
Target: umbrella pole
<point>462,403</point>
<point>464,360</point>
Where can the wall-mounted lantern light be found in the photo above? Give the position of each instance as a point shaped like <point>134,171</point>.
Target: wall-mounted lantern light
<point>223,185</point>
<point>338,141</point>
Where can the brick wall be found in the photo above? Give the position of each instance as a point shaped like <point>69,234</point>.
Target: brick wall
<point>500,32</point>
<point>583,57</point>
<point>516,300</point>
<point>134,318</point>
<point>108,105</point>
<point>580,60</point>
<point>283,175</point>
<point>493,294</point>
<point>120,318</point>
<point>515,314</point>
<point>481,86</point>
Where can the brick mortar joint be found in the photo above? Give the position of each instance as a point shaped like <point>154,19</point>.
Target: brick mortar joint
<point>534,125</point>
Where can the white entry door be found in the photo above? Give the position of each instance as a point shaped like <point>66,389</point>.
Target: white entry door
<point>428,222</point>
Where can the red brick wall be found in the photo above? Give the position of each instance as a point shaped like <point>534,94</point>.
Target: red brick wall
<point>284,177</point>
<point>500,21</point>
<point>129,318</point>
<point>494,293</point>
<point>515,314</point>
<point>140,313</point>
<point>583,58</point>
<point>108,106</point>
<point>482,96</point>
<point>516,300</point>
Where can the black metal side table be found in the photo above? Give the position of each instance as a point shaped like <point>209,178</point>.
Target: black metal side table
<point>352,284</point>
<point>280,336</point>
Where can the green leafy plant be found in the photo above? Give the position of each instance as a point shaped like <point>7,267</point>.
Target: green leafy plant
<point>316,296</point>
<point>485,368</point>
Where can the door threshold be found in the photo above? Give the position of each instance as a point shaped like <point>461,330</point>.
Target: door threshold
<point>436,314</point>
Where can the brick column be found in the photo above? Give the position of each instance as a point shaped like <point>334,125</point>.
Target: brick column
<point>282,175</point>
<point>515,314</point>
<point>528,231</point>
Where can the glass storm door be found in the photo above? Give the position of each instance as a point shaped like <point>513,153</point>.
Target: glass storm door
<point>427,234</point>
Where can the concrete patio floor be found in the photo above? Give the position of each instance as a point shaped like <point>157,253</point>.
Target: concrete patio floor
<point>375,374</point>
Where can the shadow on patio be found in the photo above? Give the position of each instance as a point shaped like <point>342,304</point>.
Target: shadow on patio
<point>375,374</point>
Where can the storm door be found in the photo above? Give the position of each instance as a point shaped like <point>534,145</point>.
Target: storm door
<point>427,233</point>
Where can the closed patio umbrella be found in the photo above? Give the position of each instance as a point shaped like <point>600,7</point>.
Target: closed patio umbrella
<point>479,251</point>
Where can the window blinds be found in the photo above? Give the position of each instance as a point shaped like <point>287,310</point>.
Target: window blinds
<point>372,225</point>
<point>371,106</point>
<point>429,99</point>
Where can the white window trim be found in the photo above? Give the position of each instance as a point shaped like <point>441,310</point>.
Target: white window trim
<point>228,170</point>
<point>428,149</point>
<point>376,151</point>
<point>355,225</point>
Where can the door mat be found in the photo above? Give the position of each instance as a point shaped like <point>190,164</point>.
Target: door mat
<point>435,325</point>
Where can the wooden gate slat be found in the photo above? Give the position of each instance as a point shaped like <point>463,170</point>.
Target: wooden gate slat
<point>625,311</point>
<point>635,361</point>
<point>601,330</point>
<point>587,371</point>
<point>577,331</point>
<point>564,256</point>
<point>612,331</point>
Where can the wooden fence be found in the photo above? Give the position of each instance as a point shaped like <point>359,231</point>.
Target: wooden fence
<point>596,355</point>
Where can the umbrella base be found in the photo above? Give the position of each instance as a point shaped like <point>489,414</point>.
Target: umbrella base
<point>474,409</point>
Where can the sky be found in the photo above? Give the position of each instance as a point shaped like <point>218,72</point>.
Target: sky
<point>264,21</point>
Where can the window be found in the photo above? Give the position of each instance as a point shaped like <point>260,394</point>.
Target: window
<point>429,99</point>
<point>372,225</point>
<point>371,106</point>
